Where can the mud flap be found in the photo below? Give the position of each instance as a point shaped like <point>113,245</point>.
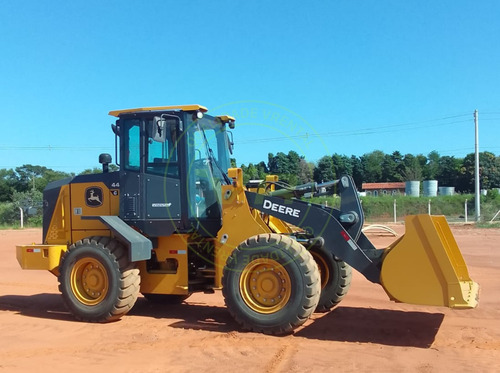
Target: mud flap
<point>425,266</point>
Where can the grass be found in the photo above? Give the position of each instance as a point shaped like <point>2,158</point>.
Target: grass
<point>378,209</point>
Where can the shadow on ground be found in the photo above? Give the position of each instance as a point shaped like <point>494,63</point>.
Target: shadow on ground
<point>45,306</point>
<point>343,324</point>
<point>371,325</point>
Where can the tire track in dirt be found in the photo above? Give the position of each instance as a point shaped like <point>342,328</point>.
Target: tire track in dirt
<point>281,358</point>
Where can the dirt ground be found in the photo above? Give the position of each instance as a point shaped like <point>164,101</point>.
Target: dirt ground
<point>366,332</point>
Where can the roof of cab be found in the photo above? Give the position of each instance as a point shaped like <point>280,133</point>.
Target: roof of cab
<point>117,113</point>
<point>225,118</point>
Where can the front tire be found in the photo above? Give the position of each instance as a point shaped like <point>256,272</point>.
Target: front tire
<point>271,284</point>
<point>97,281</point>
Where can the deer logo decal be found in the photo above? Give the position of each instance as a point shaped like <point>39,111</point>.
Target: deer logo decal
<point>93,196</point>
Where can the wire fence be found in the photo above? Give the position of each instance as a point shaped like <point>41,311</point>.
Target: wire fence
<point>456,209</point>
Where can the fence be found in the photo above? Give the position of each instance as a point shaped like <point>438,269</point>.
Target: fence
<point>457,208</point>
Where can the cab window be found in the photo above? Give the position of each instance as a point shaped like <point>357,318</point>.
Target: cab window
<point>162,156</point>
<point>132,140</point>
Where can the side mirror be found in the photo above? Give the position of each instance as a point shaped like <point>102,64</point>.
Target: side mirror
<point>158,132</point>
<point>115,129</point>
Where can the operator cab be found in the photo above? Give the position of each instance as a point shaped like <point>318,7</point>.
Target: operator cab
<point>173,161</point>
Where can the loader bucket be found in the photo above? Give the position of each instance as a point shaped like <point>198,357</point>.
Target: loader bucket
<point>425,266</point>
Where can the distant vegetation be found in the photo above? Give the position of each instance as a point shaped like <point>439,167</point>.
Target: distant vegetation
<point>22,187</point>
<point>381,209</point>
<point>377,167</point>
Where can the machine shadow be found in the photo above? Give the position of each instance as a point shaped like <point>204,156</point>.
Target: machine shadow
<point>343,324</point>
<point>45,306</point>
<point>196,316</point>
<point>370,325</point>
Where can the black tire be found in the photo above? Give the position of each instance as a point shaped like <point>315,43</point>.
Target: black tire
<point>287,284</point>
<point>335,278</point>
<point>97,281</point>
<point>166,298</point>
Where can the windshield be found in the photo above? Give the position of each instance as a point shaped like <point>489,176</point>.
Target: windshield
<point>216,136</point>
<point>204,177</point>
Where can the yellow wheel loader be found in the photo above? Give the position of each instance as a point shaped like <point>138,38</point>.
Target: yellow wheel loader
<point>172,222</point>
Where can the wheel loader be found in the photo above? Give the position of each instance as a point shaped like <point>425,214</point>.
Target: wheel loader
<point>176,219</point>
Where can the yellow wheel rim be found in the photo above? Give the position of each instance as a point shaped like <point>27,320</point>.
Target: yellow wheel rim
<point>265,286</point>
<point>89,281</point>
<point>322,267</point>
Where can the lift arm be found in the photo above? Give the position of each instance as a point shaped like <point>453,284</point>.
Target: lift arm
<point>340,229</point>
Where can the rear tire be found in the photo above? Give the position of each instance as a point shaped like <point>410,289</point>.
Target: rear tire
<point>335,278</point>
<point>97,281</point>
<point>271,284</point>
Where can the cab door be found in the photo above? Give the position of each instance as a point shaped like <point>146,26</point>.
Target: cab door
<point>150,183</point>
<point>162,179</point>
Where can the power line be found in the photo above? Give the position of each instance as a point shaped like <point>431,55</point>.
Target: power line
<point>362,131</point>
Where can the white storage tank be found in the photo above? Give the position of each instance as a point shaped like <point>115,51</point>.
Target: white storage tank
<point>430,188</point>
<point>412,188</point>
<point>446,191</point>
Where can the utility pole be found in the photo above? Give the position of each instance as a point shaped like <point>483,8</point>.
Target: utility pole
<point>476,176</point>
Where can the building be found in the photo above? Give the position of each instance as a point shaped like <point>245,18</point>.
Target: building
<point>382,189</point>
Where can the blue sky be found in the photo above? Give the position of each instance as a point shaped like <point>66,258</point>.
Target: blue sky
<point>317,77</point>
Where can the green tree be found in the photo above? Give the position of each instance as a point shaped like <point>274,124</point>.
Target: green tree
<point>392,167</point>
<point>489,170</point>
<point>277,164</point>
<point>286,166</point>
<point>36,177</point>
<point>306,172</point>
<point>372,164</point>
<point>430,170</point>
<point>7,184</point>
<point>358,172</point>
<point>448,171</point>
<point>28,177</point>
<point>413,168</point>
<point>342,165</point>
<point>324,171</point>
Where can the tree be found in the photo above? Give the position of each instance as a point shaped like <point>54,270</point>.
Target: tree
<point>324,170</point>
<point>430,170</point>
<point>488,172</point>
<point>342,165</point>
<point>448,171</point>
<point>7,183</point>
<point>277,164</point>
<point>36,177</point>
<point>358,172</point>
<point>413,168</point>
<point>306,172</point>
<point>392,167</point>
<point>286,166</point>
<point>27,177</point>
<point>372,163</point>
<point>293,162</point>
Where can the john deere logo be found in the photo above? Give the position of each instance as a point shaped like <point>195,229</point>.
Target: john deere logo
<point>93,196</point>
